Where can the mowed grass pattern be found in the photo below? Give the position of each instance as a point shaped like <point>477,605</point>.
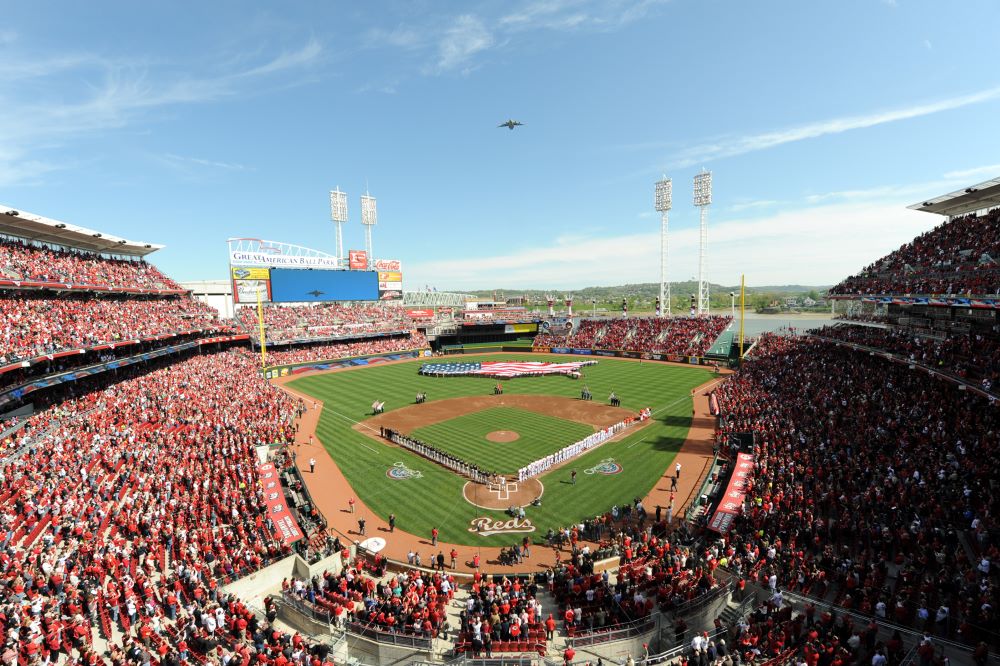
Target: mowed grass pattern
<point>435,500</point>
<point>465,436</point>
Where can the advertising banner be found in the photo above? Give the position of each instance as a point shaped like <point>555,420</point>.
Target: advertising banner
<point>246,291</point>
<point>557,326</point>
<point>584,352</point>
<point>420,314</point>
<point>732,502</point>
<point>238,258</point>
<point>387,265</point>
<point>245,273</point>
<point>357,260</point>
<point>560,350</point>
<point>541,350</point>
<point>390,285</point>
<point>285,527</point>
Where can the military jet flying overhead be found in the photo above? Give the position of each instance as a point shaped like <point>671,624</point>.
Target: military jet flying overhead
<point>510,124</point>
<point>316,293</point>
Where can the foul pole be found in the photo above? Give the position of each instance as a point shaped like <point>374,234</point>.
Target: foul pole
<point>743,312</point>
<point>260,322</point>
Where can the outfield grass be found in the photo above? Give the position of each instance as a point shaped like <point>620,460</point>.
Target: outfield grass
<point>435,499</point>
<point>465,436</point>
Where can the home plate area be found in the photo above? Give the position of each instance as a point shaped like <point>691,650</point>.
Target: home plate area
<point>501,496</point>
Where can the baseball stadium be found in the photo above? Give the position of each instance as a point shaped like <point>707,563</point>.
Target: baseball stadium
<point>672,336</point>
<point>367,468</point>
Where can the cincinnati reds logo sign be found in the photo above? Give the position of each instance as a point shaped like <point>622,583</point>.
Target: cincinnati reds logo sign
<point>400,472</point>
<point>608,466</point>
<point>484,526</point>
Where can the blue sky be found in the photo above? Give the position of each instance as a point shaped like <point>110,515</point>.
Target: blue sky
<point>186,123</point>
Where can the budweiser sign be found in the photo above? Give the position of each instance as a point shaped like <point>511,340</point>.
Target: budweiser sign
<point>484,526</point>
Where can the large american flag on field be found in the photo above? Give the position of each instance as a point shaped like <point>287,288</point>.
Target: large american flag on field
<point>503,369</point>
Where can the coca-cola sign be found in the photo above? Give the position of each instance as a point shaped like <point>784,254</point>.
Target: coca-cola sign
<point>387,265</point>
<point>485,526</point>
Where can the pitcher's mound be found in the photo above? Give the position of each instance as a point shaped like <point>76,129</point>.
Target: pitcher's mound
<point>502,436</point>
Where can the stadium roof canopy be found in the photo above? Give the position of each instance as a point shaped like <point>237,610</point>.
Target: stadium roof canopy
<point>33,227</point>
<point>977,197</point>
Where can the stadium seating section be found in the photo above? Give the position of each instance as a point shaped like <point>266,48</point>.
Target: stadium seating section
<point>39,324</point>
<point>959,257</point>
<point>301,322</point>
<point>871,485</point>
<point>972,356</point>
<point>683,336</point>
<point>27,262</point>
<point>324,351</point>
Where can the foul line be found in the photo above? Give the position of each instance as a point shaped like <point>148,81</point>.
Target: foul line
<point>669,405</point>
<point>357,423</point>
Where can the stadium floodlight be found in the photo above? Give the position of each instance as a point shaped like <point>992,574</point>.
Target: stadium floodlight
<point>662,202</point>
<point>703,189</point>
<point>369,218</point>
<point>703,199</point>
<point>338,213</point>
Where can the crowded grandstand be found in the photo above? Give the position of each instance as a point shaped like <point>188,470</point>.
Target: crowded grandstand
<point>137,426</point>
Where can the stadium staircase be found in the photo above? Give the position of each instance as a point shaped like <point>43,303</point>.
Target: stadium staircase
<point>444,649</point>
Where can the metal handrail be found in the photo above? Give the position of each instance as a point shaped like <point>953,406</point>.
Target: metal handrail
<point>616,633</point>
<point>705,599</point>
<point>881,622</point>
<point>390,637</point>
<point>311,610</point>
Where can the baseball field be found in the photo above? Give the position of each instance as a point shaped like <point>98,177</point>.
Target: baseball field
<point>535,416</point>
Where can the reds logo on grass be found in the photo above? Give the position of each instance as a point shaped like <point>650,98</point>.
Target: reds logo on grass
<point>400,472</point>
<point>608,466</point>
<point>485,526</point>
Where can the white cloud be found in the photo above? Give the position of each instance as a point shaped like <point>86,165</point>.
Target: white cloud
<point>114,93</point>
<point>213,164</point>
<point>466,37</point>
<point>750,205</point>
<point>928,45</point>
<point>571,15</point>
<point>455,46</point>
<point>988,171</point>
<point>805,245</point>
<point>732,146</point>
<point>306,55</point>
<point>402,37</point>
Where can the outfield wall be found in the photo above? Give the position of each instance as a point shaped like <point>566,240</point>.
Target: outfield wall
<point>578,351</point>
<point>348,362</point>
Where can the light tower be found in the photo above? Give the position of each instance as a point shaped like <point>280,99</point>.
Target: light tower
<point>338,213</point>
<point>703,199</point>
<point>369,218</point>
<point>662,201</point>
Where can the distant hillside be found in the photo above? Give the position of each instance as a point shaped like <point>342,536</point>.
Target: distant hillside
<point>642,297</point>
